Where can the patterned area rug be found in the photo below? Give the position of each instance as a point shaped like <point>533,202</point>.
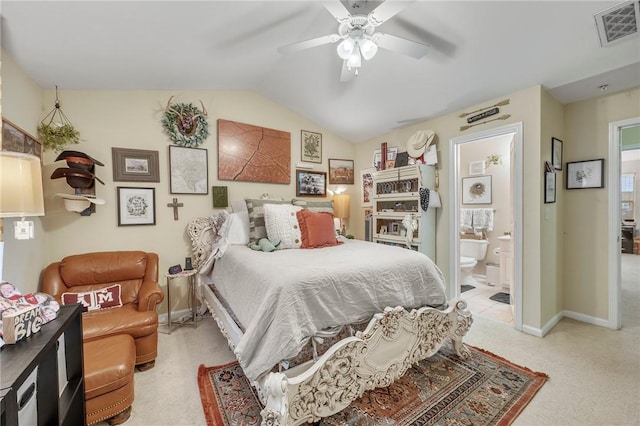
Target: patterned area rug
<point>441,390</point>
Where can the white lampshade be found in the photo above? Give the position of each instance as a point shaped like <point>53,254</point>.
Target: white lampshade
<point>345,48</point>
<point>354,60</point>
<point>368,48</point>
<point>341,206</point>
<point>20,185</point>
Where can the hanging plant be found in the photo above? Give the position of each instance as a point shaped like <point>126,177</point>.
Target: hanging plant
<point>493,159</point>
<point>58,131</point>
<point>185,124</point>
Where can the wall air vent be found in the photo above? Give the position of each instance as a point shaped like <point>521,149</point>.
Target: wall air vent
<point>618,23</point>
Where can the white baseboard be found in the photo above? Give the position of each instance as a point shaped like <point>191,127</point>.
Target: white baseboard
<point>541,332</point>
<point>586,318</point>
<point>531,330</point>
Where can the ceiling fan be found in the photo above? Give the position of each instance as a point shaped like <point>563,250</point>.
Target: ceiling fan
<point>358,36</point>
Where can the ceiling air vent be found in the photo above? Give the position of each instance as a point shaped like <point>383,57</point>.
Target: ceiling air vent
<point>618,23</point>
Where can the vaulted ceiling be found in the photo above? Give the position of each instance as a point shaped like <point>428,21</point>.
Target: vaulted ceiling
<point>478,51</point>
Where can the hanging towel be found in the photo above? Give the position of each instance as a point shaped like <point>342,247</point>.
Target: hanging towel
<point>483,219</point>
<point>466,219</point>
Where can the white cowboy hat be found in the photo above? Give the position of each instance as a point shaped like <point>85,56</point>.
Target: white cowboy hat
<point>418,143</point>
<point>78,203</point>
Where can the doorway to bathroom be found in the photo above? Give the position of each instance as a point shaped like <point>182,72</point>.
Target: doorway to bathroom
<point>486,200</point>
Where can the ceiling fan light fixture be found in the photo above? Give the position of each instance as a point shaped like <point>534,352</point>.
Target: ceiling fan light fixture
<point>345,48</point>
<point>368,48</point>
<point>355,60</point>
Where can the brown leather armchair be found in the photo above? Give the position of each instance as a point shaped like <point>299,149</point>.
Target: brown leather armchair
<point>137,274</point>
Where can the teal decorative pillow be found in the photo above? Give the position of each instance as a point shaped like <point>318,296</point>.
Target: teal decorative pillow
<point>324,206</point>
<point>257,228</point>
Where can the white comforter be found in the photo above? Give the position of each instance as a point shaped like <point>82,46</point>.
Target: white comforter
<point>285,296</point>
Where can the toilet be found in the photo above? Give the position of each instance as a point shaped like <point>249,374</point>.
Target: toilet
<point>471,251</point>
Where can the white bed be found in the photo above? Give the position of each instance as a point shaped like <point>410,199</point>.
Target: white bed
<point>270,305</point>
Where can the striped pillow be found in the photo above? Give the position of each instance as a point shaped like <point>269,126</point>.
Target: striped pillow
<point>257,228</point>
<point>325,206</point>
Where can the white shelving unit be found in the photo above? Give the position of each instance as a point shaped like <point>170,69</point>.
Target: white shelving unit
<point>396,195</point>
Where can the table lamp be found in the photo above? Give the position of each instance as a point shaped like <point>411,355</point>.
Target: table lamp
<point>20,193</point>
<point>341,205</point>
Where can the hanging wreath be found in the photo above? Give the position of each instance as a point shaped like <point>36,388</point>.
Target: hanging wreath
<point>185,124</point>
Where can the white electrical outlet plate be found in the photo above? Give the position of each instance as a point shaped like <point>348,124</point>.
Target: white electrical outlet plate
<point>23,230</point>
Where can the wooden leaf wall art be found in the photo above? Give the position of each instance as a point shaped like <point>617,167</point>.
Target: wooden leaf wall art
<point>253,154</point>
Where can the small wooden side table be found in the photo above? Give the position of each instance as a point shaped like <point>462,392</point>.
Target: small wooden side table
<point>190,319</point>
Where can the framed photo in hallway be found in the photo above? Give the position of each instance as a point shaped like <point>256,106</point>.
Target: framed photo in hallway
<point>556,153</point>
<point>549,187</point>
<point>585,174</point>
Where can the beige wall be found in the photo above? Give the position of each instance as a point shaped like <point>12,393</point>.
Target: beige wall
<point>22,105</point>
<point>586,211</point>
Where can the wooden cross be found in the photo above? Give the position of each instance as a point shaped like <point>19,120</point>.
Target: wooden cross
<point>175,206</point>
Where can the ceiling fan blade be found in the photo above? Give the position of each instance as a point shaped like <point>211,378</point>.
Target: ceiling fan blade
<point>401,45</point>
<point>346,74</point>
<point>307,44</point>
<point>386,10</point>
<point>337,10</point>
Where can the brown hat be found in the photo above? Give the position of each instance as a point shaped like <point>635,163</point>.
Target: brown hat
<point>76,178</point>
<point>64,154</point>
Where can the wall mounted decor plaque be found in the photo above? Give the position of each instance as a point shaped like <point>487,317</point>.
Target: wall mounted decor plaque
<point>253,154</point>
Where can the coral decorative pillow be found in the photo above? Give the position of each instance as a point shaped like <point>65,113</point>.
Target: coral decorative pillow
<point>108,297</point>
<point>282,224</point>
<point>317,229</point>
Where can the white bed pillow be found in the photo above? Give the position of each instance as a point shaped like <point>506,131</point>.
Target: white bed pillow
<point>282,224</point>
<point>238,206</point>
<point>238,231</point>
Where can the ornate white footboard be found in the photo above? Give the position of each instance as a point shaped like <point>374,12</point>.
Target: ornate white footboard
<point>393,341</point>
<point>384,351</point>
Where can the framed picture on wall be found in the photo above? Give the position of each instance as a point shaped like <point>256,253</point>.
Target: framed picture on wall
<point>340,171</point>
<point>135,165</point>
<point>311,149</point>
<point>556,153</point>
<point>136,206</point>
<point>549,187</point>
<point>188,167</point>
<point>311,184</point>
<point>476,167</point>
<point>476,190</point>
<point>585,174</point>
<point>366,177</point>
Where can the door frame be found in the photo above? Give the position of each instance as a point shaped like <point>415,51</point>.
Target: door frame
<point>454,196</point>
<point>614,279</point>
